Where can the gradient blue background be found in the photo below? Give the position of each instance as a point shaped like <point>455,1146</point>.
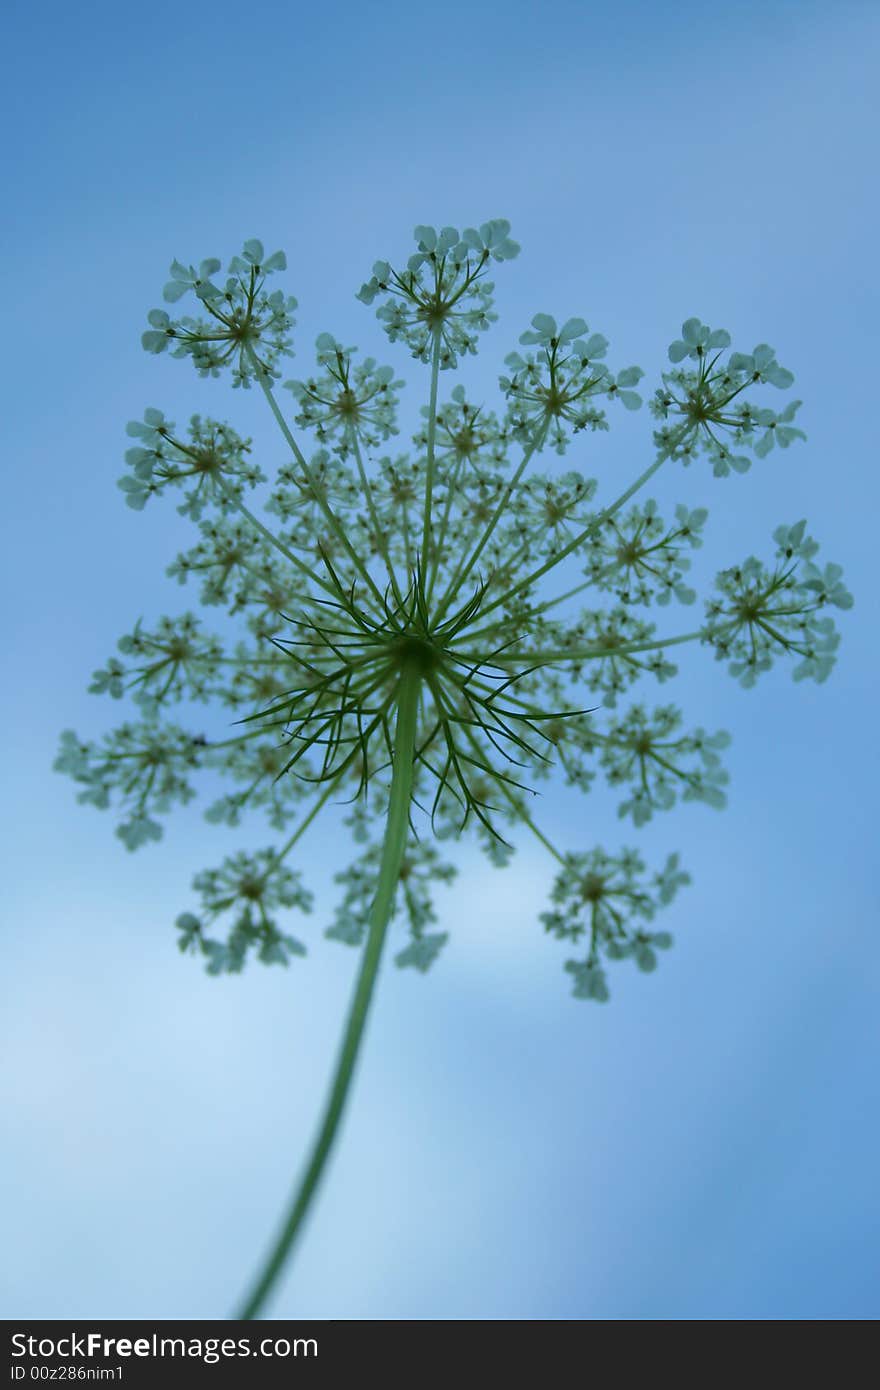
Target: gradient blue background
<point>707,1145</point>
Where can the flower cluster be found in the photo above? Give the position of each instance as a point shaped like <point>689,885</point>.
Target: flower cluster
<point>603,900</point>
<point>213,463</point>
<point>466,436</point>
<point>640,559</point>
<point>760,613</point>
<point>250,887</point>
<point>551,392</point>
<point>640,752</point>
<point>231,560</point>
<point>351,403</point>
<point>442,300</point>
<point>248,328</point>
<point>424,636</point>
<point>176,661</point>
<point>145,768</point>
<point>704,406</point>
<point>551,511</point>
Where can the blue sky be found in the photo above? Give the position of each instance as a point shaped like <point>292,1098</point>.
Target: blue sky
<point>706,1146</point>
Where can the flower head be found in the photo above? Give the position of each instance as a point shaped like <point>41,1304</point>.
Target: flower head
<point>424,636</point>
<point>247,326</point>
<point>703,407</point>
<point>351,403</point>
<point>441,301</point>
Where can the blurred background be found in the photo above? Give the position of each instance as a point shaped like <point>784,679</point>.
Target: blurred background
<point>704,1146</point>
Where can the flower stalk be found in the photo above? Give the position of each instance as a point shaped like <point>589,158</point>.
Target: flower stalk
<point>394,844</point>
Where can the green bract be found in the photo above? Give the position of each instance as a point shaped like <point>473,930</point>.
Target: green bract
<point>423,635</point>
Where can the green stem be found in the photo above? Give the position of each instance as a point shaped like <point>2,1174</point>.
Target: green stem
<point>304,824</point>
<point>440,539</point>
<point>556,658</point>
<point>304,569</point>
<point>598,521</point>
<point>381,543</point>
<point>432,434</point>
<point>396,830</point>
<point>461,574</point>
<point>336,526</point>
<point>494,629</point>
